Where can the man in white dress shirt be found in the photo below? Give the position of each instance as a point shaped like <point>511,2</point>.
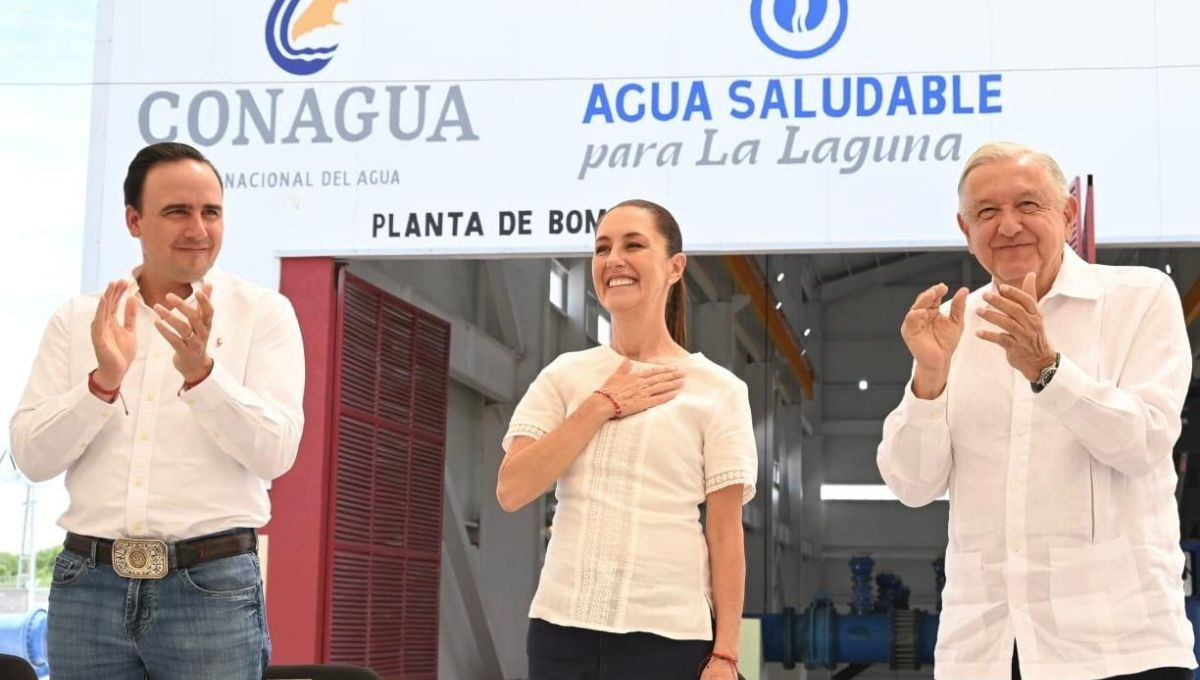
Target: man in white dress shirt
<point>169,400</point>
<point>1047,402</point>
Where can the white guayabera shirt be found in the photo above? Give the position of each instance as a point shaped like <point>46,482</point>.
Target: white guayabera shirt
<point>627,551</point>
<point>178,466</point>
<point>1064,531</point>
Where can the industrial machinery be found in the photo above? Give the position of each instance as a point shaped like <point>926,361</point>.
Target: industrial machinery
<point>879,629</point>
<point>882,629</point>
<point>24,635</point>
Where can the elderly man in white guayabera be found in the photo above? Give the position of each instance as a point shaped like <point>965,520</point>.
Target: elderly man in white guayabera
<point>1048,403</point>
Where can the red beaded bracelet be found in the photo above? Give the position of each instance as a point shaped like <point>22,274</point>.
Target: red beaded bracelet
<point>616,406</point>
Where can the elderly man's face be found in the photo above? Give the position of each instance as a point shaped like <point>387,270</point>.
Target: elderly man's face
<point>1014,224</point>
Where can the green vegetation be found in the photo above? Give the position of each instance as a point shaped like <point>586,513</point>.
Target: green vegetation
<point>45,568</point>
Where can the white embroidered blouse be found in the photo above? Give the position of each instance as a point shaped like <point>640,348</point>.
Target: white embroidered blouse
<point>627,551</point>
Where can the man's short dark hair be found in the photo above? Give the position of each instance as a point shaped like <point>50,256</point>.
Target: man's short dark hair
<point>163,152</point>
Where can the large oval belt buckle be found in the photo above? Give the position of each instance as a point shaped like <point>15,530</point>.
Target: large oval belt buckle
<point>139,558</point>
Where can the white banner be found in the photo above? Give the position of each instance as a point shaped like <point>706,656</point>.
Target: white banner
<point>378,127</point>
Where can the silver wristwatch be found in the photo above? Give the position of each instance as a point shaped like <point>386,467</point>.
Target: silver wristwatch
<point>1046,375</point>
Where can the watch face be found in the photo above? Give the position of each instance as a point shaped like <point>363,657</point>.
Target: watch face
<point>1047,374</point>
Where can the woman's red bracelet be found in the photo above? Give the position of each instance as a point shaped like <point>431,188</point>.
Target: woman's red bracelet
<point>731,660</point>
<point>616,406</point>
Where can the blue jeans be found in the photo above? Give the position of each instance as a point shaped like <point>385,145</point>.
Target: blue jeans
<point>206,621</point>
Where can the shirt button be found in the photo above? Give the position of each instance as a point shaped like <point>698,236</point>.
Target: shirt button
<point>1017,546</point>
<point>139,527</point>
<point>137,483</point>
<point>1014,487</point>
<point>149,397</point>
<point>143,437</point>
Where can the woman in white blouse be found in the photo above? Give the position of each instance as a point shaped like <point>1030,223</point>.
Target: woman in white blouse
<point>637,434</point>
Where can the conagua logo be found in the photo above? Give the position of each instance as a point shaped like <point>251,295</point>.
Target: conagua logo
<point>285,29</point>
<point>800,29</point>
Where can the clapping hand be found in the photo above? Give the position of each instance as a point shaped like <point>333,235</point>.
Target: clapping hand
<point>186,328</point>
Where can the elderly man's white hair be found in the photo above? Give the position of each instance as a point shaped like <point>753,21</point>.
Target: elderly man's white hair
<point>1007,151</point>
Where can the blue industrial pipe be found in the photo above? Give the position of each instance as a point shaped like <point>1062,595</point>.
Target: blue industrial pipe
<point>821,637</point>
<point>883,631</point>
<point>886,631</point>
<point>859,639</point>
<point>24,635</point>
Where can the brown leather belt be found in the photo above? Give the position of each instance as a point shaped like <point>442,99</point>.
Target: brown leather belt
<point>187,553</point>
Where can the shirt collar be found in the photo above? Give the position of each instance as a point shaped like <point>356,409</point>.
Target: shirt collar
<point>1076,278</point>
<point>135,289</point>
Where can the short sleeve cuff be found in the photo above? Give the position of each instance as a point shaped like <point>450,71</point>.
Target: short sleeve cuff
<point>522,430</point>
<point>721,480</point>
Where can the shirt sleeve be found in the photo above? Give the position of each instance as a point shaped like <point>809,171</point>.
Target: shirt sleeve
<point>57,418</point>
<point>1132,423</point>
<point>730,452</point>
<point>258,422</point>
<point>915,455</point>
<point>540,411</point>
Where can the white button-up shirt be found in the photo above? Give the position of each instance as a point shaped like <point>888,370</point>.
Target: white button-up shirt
<point>178,465</point>
<point>1064,530</point>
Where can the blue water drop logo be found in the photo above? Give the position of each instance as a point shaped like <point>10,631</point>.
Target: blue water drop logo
<point>800,29</point>
<point>797,15</point>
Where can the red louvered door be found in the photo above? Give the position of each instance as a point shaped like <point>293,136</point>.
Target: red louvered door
<point>355,542</point>
<point>392,367</point>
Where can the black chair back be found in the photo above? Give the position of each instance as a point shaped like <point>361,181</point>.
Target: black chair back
<point>319,672</point>
<point>16,668</point>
